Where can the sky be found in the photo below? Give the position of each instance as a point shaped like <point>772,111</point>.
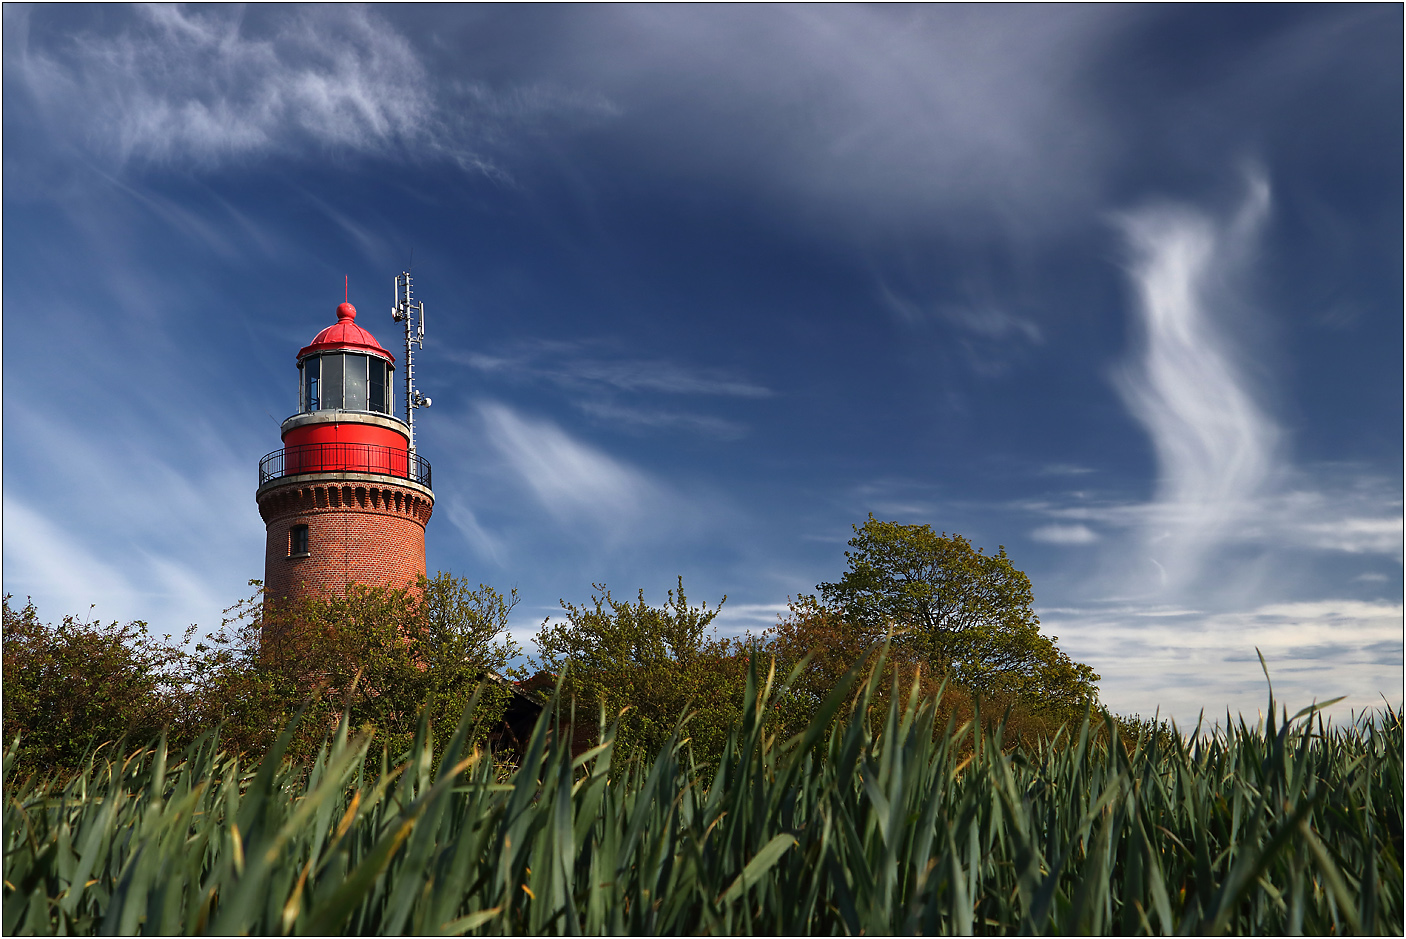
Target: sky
<point>1117,288</point>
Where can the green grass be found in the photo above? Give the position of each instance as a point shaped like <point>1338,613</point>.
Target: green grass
<point>879,823</point>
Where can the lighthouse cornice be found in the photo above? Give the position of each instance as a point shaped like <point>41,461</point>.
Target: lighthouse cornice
<point>341,479</point>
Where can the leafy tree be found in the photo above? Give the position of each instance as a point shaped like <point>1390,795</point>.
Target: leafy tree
<point>656,661</point>
<point>69,686</point>
<point>829,644</point>
<point>385,653</point>
<point>964,612</point>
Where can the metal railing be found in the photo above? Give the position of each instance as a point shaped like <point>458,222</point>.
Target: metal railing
<point>344,458</point>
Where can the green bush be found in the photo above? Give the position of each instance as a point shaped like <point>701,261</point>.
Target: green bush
<point>651,663</point>
<point>382,654</point>
<point>80,682</point>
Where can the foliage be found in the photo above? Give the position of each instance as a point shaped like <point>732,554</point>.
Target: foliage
<point>964,612</point>
<point>465,624</point>
<point>381,653</point>
<point>654,660</point>
<point>822,645</point>
<point>68,684</point>
<point>1286,827</point>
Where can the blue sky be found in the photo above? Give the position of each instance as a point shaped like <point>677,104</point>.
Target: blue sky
<point>1119,288</point>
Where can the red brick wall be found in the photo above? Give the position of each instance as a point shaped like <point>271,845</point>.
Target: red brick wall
<point>358,532</point>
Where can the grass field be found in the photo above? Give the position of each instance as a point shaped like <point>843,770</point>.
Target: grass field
<point>874,823</point>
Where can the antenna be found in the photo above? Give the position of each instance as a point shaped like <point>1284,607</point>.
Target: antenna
<point>406,311</point>
<point>346,288</point>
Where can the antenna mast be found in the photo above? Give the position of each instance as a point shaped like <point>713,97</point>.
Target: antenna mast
<point>405,311</point>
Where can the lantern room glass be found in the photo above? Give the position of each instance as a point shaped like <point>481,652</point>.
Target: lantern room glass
<point>346,381</point>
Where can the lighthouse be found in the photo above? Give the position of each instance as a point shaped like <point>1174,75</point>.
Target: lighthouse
<point>347,498</point>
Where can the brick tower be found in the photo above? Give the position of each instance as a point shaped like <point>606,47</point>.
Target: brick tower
<point>347,498</point>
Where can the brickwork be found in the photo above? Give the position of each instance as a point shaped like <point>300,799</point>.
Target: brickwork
<point>358,532</point>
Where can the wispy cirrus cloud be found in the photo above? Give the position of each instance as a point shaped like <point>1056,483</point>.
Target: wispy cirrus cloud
<point>627,417</point>
<point>177,85</point>
<point>1064,469</point>
<point>990,336</point>
<point>619,390</point>
<point>738,619</point>
<point>1314,510</point>
<point>583,366</point>
<point>171,561</point>
<point>485,543</point>
<point>1214,566</point>
<point>946,114</point>
<point>1216,445</point>
<point>572,480</point>
<point>1064,534</point>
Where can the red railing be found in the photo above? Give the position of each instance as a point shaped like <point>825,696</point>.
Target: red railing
<point>344,458</point>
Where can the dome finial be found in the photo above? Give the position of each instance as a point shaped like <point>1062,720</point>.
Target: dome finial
<point>345,312</point>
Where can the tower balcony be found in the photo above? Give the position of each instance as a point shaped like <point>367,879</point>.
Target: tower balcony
<point>369,458</point>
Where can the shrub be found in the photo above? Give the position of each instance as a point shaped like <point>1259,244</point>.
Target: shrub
<point>69,686</point>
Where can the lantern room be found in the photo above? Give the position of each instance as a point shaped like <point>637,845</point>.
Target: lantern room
<point>344,368</point>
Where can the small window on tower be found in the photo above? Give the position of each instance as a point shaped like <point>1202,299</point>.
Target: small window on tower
<point>298,541</point>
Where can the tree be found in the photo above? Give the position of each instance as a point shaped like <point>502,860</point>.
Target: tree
<point>84,682</point>
<point>387,654</point>
<point>967,613</point>
<point>830,644</point>
<point>655,660</point>
<point>384,653</point>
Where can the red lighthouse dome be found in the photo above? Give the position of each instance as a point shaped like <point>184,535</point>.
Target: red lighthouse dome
<point>346,499</point>
<point>345,334</point>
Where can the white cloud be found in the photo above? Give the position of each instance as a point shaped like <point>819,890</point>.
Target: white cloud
<point>1352,516</point>
<point>1186,661</point>
<point>1064,534</point>
<point>626,417</point>
<point>1356,535</point>
<point>931,114</point>
<point>58,570</point>
<point>180,83</point>
<point>484,542</point>
<point>66,570</point>
<point>582,366</point>
<point>570,479</point>
<point>1215,444</point>
<point>735,619</point>
<point>1228,554</point>
<point>992,323</point>
<point>982,317</point>
<point>1064,469</point>
<point>208,85</point>
<point>166,531</point>
<point>665,377</point>
<point>621,392</point>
